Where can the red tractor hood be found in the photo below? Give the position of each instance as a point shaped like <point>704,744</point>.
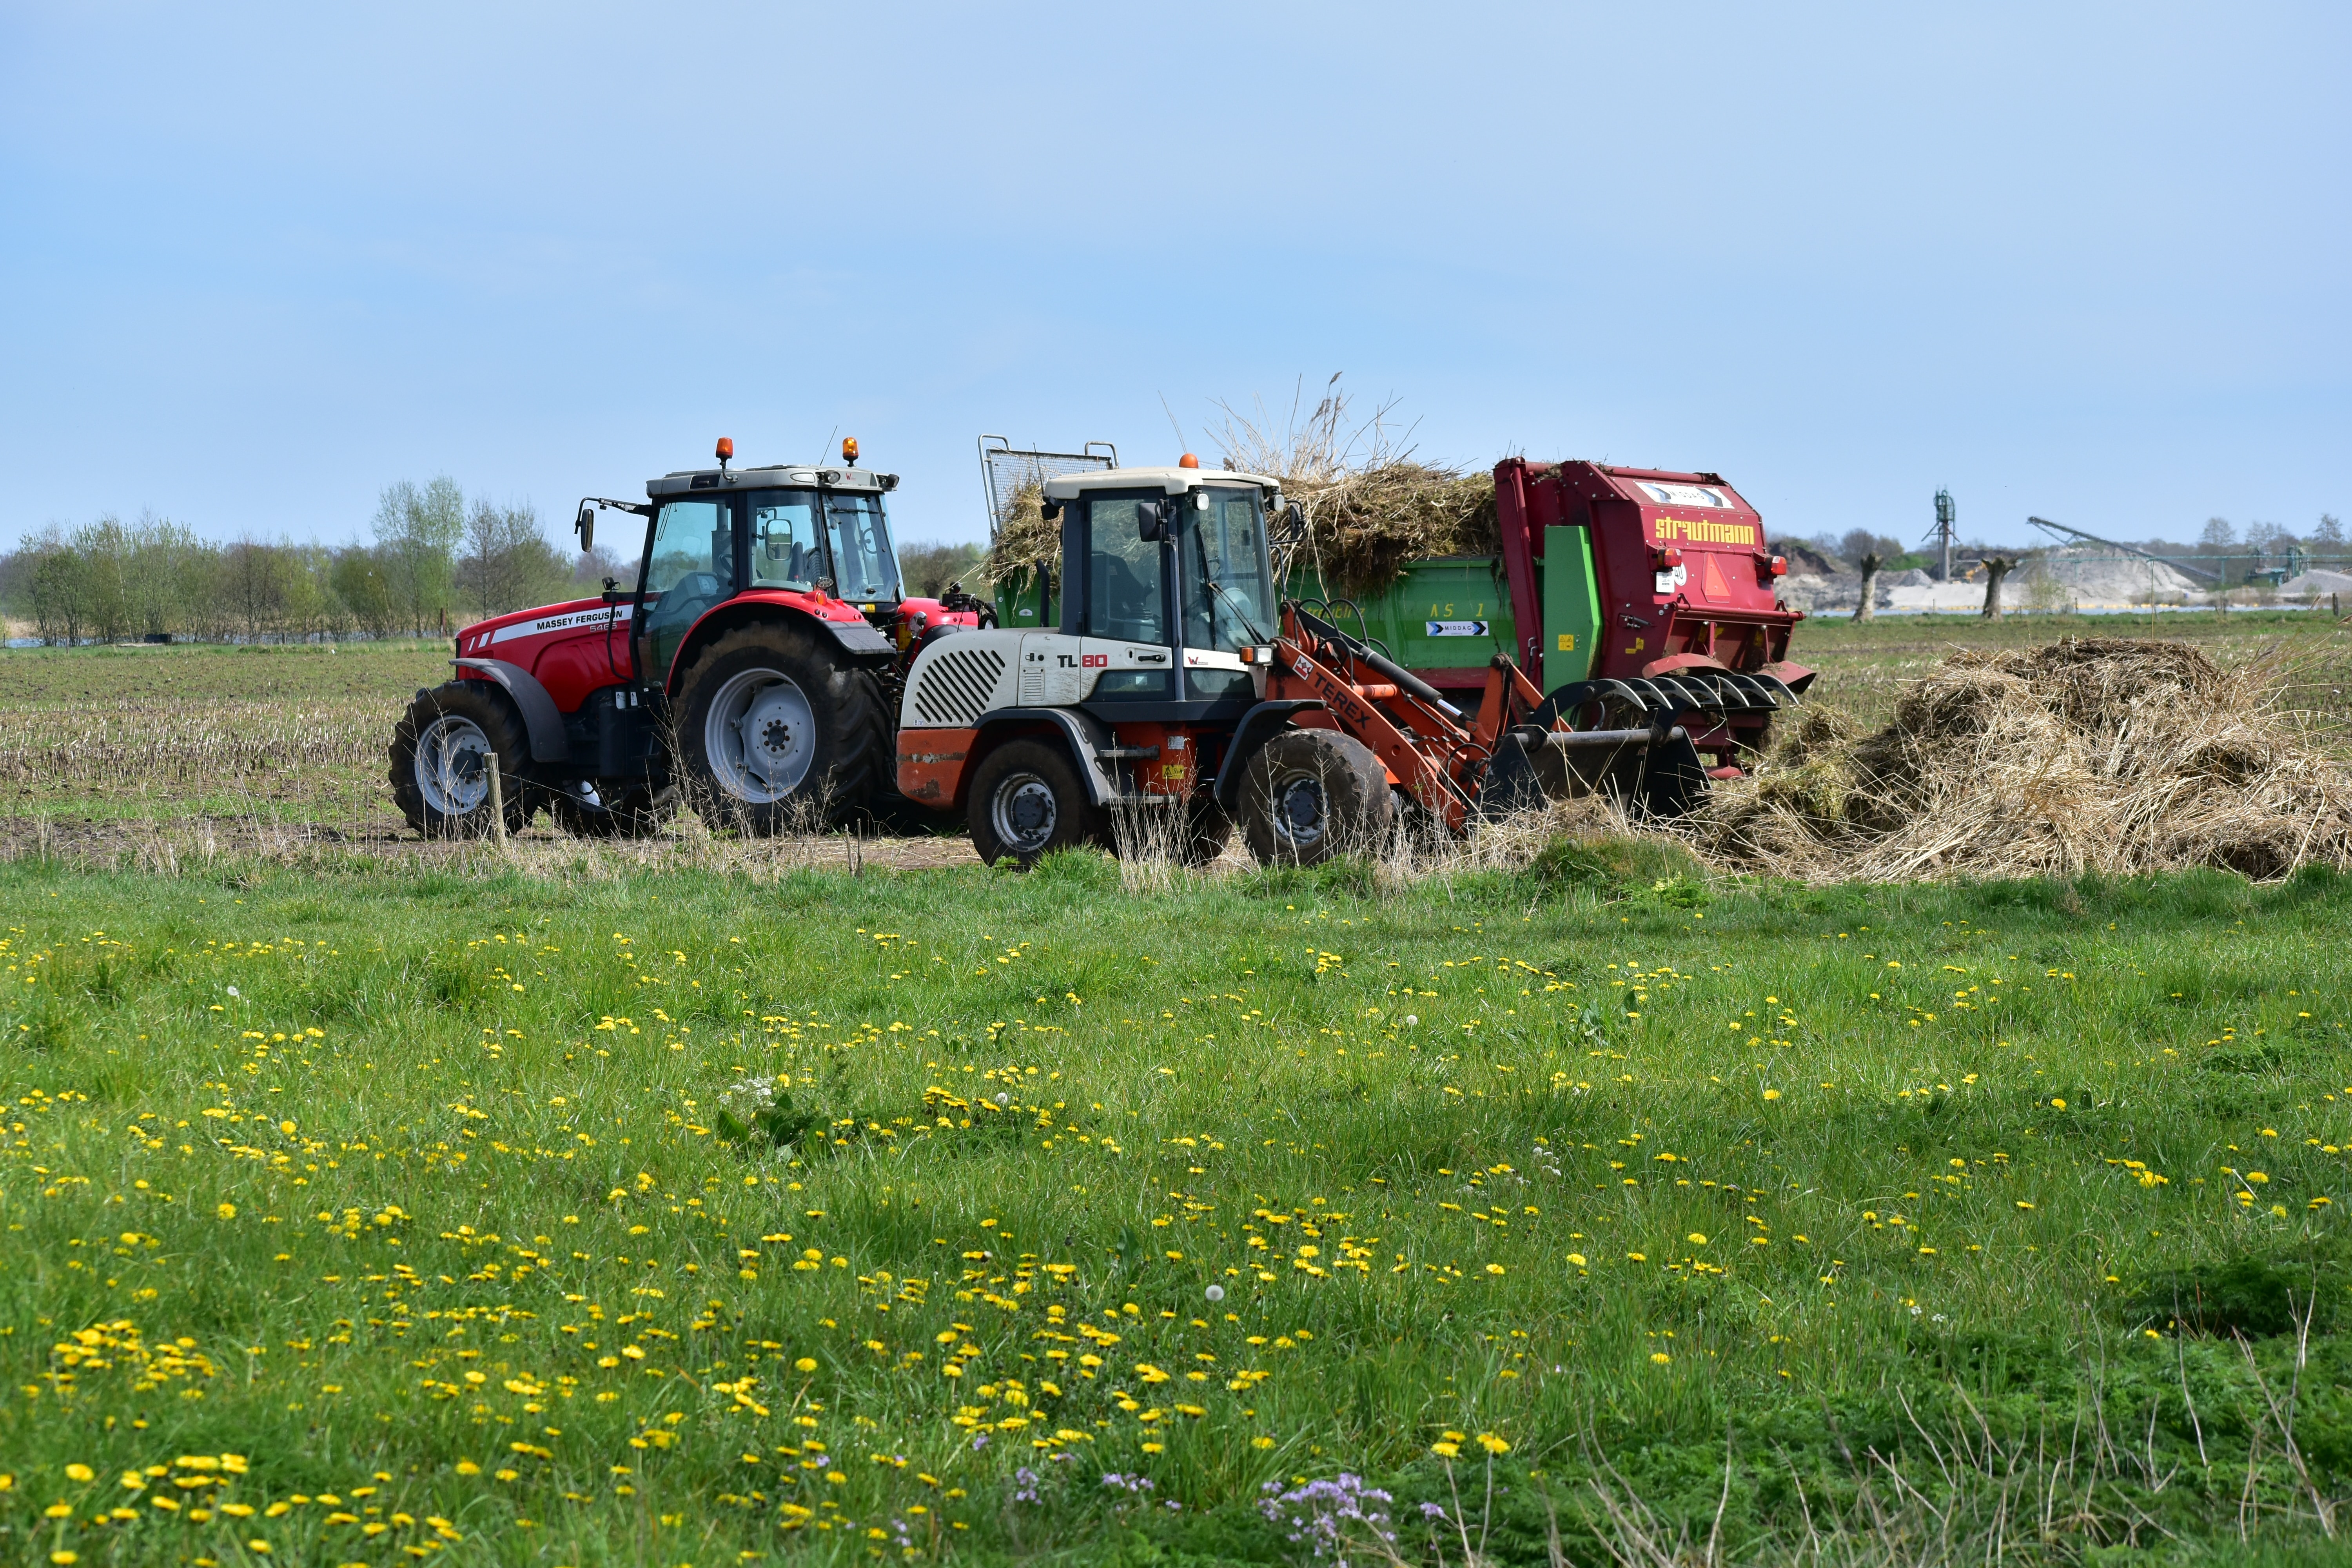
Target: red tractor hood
<point>494,639</point>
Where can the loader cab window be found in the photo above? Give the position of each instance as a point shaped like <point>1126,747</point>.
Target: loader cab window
<point>690,567</point>
<point>1227,589</point>
<point>787,546</point>
<point>1126,586</point>
<point>865,568</point>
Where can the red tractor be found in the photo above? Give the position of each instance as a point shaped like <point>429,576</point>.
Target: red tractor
<point>754,670</point>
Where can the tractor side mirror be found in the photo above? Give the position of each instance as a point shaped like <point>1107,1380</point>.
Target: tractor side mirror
<point>1151,520</point>
<point>587,524</point>
<point>1050,510</point>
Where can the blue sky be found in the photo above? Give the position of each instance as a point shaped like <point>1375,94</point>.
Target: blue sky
<point>2086,261</point>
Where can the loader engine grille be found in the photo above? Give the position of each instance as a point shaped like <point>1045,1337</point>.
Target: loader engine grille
<point>955,688</point>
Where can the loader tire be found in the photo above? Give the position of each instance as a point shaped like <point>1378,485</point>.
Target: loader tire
<point>1027,801</point>
<point>1311,794</point>
<point>440,761</point>
<point>778,730</point>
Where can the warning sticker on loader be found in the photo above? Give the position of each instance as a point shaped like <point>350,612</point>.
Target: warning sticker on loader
<point>1456,629</point>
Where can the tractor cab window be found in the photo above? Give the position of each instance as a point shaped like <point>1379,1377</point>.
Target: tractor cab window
<point>690,567</point>
<point>787,548</point>
<point>865,569</point>
<point>1227,595</point>
<point>1125,598</point>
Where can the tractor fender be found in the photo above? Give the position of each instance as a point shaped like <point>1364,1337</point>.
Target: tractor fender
<point>541,720</point>
<point>1081,732</point>
<point>857,639</point>
<point>1258,726</point>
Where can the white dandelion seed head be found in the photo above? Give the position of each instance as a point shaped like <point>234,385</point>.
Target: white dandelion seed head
<point>1216,1292</point>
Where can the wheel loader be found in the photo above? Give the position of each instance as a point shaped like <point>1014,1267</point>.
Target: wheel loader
<point>1179,687</point>
<point>751,672</point>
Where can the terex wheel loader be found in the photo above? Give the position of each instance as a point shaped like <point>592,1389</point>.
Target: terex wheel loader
<point>1178,686</point>
<point>753,672</point>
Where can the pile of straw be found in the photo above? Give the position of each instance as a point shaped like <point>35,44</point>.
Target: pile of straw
<point>1025,540</point>
<point>1365,525</point>
<point>2111,755</point>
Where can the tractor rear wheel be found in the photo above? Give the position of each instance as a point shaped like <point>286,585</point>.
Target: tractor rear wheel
<point>777,730</point>
<point>1311,794</point>
<point>1027,802</point>
<point>441,751</point>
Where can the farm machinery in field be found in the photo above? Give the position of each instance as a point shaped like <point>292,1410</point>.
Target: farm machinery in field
<point>767,666</point>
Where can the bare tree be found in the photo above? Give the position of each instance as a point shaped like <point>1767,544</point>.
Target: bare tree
<point>1996,568</point>
<point>2330,531</point>
<point>508,563</point>
<point>1868,609</point>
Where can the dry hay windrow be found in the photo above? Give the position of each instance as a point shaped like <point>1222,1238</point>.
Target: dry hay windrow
<point>1362,527</point>
<point>2113,755</point>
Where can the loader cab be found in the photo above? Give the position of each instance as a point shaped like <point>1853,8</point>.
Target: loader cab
<point>1167,584</point>
<point>784,530</point>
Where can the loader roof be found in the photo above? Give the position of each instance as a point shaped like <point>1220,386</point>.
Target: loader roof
<point>1174,481</point>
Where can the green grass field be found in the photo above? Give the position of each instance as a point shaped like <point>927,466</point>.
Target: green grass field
<point>374,1216</point>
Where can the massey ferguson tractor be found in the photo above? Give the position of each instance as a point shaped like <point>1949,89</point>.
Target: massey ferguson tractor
<point>753,670</point>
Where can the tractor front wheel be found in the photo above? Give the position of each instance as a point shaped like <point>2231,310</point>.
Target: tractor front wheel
<point>441,753</point>
<point>1311,794</point>
<point>1027,802</point>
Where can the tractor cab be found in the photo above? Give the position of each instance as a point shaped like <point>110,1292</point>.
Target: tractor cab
<point>715,534</point>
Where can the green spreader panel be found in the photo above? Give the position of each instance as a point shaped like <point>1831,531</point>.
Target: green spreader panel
<point>1571,604</point>
<point>1019,595</point>
<point>1452,612</point>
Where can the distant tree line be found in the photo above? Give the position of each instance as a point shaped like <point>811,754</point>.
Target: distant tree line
<point>434,559</point>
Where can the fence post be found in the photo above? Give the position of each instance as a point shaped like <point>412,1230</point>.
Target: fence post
<point>498,804</point>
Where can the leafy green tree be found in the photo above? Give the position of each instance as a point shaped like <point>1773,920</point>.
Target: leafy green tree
<point>417,533</point>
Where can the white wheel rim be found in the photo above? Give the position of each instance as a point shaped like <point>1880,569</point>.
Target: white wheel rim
<point>1025,812</point>
<point>760,736</point>
<point>453,770</point>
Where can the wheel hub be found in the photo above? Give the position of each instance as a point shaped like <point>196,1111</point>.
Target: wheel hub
<point>453,765</point>
<point>760,736</point>
<point>1299,810</point>
<point>1026,812</point>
